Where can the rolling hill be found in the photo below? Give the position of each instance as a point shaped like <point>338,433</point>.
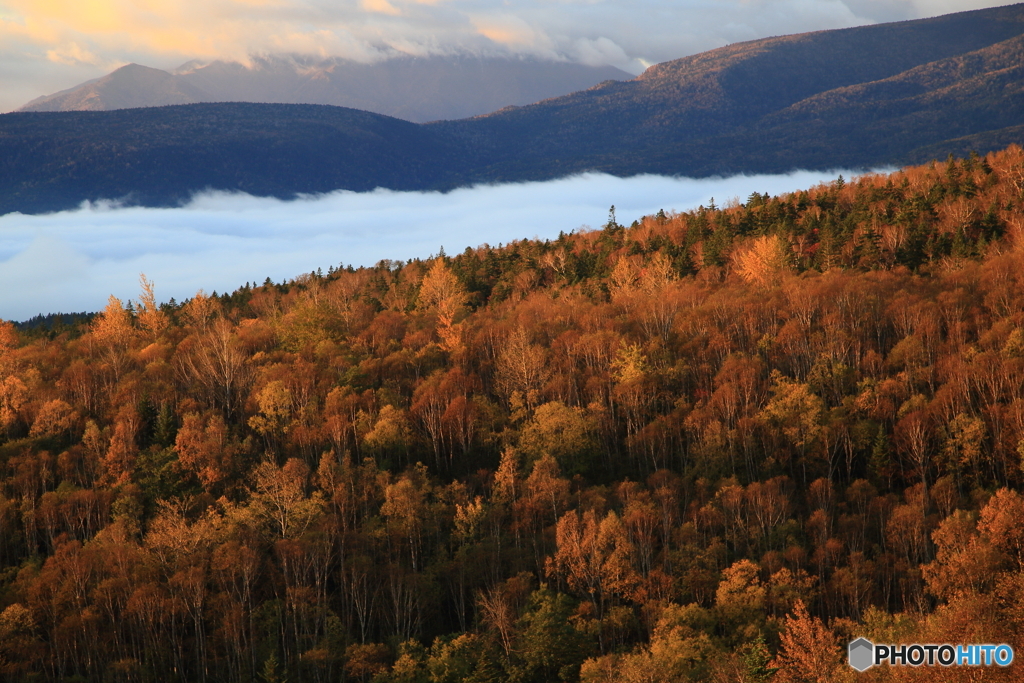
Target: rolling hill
<point>159,156</point>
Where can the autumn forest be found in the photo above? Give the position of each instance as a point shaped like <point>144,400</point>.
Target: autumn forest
<point>708,446</point>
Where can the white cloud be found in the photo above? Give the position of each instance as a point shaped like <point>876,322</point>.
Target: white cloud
<point>72,55</point>
<point>61,43</point>
<point>73,260</point>
<point>599,52</point>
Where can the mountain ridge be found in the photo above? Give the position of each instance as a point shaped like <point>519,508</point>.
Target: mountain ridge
<point>817,101</point>
<point>721,91</point>
<point>415,89</point>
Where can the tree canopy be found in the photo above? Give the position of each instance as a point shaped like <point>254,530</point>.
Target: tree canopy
<point>712,445</point>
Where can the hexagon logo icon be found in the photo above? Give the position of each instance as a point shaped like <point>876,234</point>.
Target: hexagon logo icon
<point>862,654</point>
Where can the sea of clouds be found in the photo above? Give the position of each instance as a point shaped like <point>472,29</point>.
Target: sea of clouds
<point>74,260</point>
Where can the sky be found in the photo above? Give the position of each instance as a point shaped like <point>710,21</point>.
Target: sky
<point>51,45</point>
<point>73,261</point>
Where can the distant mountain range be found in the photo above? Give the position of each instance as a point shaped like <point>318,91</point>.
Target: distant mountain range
<point>411,88</point>
<point>888,94</point>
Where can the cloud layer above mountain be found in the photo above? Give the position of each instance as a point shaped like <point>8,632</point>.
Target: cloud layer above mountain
<point>47,45</point>
<point>72,261</point>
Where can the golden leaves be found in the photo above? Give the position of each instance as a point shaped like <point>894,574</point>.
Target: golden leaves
<point>764,261</point>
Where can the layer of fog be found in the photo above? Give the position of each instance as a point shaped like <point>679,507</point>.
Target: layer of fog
<point>74,260</point>
<point>50,46</point>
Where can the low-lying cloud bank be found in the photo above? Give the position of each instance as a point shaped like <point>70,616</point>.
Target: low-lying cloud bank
<point>74,260</point>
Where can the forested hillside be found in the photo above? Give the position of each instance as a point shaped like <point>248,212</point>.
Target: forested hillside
<point>861,97</point>
<point>714,445</point>
<point>160,156</point>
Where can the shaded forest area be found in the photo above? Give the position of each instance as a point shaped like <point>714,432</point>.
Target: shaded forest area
<point>710,446</point>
